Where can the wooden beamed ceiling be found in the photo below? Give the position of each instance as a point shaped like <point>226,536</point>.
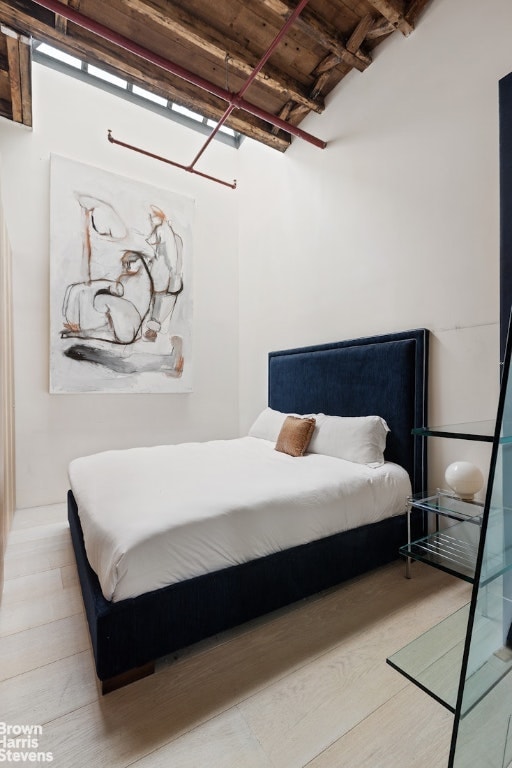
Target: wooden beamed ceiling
<point>15,76</point>
<point>218,42</point>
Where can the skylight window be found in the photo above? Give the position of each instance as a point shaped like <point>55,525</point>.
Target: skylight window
<point>148,95</point>
<point>43,53</point>
<point>222,129</point>
<point>188,113</point>
<point>103,75</point>
<point>48,50</point>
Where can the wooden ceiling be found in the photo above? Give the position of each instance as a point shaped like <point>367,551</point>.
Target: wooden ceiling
<point>213,43</point>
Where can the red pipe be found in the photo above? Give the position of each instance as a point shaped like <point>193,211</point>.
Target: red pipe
<point>154,58</point>
<point>169,162</point>
<point>257,69</point>
<point>212,134</point>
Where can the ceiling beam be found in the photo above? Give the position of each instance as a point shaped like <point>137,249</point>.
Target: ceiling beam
<point>90,47</point>
<point>323,33</point>
<point>234,100</point>
<point>416,8</point>
<point>20,78</point>
<point>331,61</point>
<point>13,57</point>
<point>195,32</point>
<point>61,24</point>
<point>359,34</point>
<point>391,12</point>
<point>25,53</point>
<point>5,108</point>
<point>380,28</point>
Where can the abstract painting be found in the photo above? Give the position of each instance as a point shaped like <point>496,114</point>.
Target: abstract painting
<point>120,283</point>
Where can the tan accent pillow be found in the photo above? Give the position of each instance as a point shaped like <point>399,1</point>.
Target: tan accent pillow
<point>295,435</point>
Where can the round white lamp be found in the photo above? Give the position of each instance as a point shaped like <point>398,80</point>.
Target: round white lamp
<point>464,478</point>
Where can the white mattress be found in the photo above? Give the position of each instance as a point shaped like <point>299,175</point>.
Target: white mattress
<point>155,516</point>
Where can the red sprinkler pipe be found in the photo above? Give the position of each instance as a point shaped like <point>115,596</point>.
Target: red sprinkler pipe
<point>257,69</point>
<point>154,58</point>
<point>169,162</point>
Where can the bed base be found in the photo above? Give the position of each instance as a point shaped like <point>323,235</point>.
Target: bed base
<point>385,375</point>
<point>128,636</point>
<point>119,681</point>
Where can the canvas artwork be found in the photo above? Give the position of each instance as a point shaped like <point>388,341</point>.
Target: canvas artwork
<point>120,283</point>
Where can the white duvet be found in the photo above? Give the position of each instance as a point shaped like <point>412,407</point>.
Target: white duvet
<point>155,516</point>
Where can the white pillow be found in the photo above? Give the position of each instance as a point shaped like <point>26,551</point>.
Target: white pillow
<point>361,439</point>
<point>268,425</point>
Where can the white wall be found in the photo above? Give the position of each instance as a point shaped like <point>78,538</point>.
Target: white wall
<point>71,119</point>
<point>396,224</point>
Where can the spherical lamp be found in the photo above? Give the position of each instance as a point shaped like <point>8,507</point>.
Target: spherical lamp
<point>464,478</point>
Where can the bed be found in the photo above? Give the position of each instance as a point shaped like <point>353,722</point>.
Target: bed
<point>384,375</point>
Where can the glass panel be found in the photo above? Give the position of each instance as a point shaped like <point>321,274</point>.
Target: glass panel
<point>60,60</point>
<point>478,548</point>
<point>49,50</point>
<point>482,734</point>
<point>188,113</point>
<point>103,75</point>
<point>476,430</point>
<point>446,504</point>
<point>485,734</point>
<point>222,129</point>
<point>452,549</point>
<point>433,660</point>
<point>148,95</point>
<point>484,737</point>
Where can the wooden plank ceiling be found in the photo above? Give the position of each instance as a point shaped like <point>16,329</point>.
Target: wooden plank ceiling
<point>219,42</point>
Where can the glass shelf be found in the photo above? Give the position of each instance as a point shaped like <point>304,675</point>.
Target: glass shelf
<point>482,431</point>
<point>476,430</point>
<point>465,662</point>
<point>497,559</point>
<point>489,659</point>
<point>433,661</point>
<point>453,550</point>
<point>446,504</point>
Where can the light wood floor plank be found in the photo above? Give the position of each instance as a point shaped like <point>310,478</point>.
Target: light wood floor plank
<point>300,633</point>
<point>36,647</point>
<point>29,601</point>
<point>223,742</point>
<point>49,692</point>
<point>28,557</point>
<point>33,517</point>
<point>485,733</point>
<point>271,665</point>
<point>410,730</point>
<point>327,698</point>
<point>306,685</point>
<point>40,533</point>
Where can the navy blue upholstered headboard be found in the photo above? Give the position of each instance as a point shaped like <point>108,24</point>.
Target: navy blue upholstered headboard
<point>381,375</point>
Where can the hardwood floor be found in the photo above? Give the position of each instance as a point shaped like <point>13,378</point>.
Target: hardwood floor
<point>305,686</point>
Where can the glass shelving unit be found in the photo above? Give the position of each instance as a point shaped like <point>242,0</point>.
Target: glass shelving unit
<point>452,548</point>
<point>465,662</point>
<point>433,661</point>
<point>476,430</point>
